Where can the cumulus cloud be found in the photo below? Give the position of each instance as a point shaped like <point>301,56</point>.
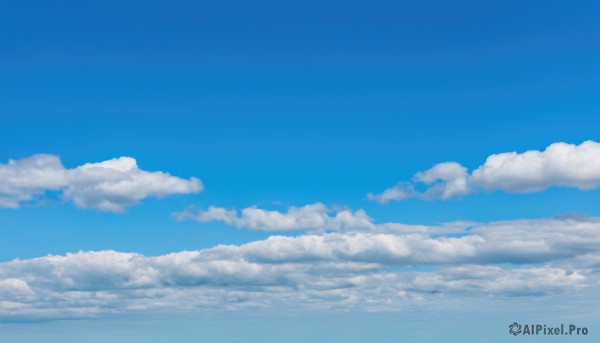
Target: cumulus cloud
<point>519,241</point>
<point>111,185</point>
<point>560,164</point>
<point>313,216</point>
<point>22,180</point>
<point>324,270</point>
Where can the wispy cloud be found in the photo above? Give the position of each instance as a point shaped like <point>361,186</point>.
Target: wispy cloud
<point>315,216</point>
<point>111,185</point>
<point>560,164</point>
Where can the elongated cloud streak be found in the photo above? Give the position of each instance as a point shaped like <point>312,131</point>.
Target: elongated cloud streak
<point>315,216</point>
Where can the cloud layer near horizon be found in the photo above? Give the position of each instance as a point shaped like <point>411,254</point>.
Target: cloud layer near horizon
<point>560,164</point>
<point>111,185</point>
<point>369,270</point>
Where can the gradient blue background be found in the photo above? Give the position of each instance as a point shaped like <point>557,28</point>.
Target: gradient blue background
<point>286,102</point>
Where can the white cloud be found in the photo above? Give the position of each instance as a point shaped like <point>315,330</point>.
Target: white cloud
<point>400,191</point>
<point>115,184</point>
<point>520,241</point>
<point>469,279</point>
<point>445,180</point>
<point>561,164</point>
<point>111,185</point>
<point>313,216</point>
<point>22,180</point>
<point>324,270</point>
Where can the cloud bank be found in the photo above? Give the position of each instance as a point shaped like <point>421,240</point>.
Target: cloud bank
<point>111,185</point>
<point>560,164</point>
<point>352,269</point>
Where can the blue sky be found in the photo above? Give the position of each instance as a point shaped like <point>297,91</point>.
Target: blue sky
<point>275,104</point>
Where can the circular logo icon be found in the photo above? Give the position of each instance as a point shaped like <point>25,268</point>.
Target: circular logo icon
<point>514,328</point>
